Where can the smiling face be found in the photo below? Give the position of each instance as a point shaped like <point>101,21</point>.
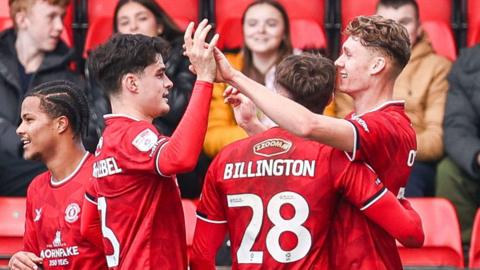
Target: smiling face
<point>43,23</point>
<point>153,86</point>
<point>353,66</point>
<point>36,131</point>
<point>133,18</point>
<point>263,28</point>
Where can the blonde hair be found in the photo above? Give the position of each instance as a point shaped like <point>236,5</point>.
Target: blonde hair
<point>24,5</point>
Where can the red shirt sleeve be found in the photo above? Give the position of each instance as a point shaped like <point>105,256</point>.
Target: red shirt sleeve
<point>372,134</point>
<point>140,147</point>
<point>355,181</point>
<point>206,241</point>
<point>212,203</point>
<point>90,226</point>
<point>181,153</point>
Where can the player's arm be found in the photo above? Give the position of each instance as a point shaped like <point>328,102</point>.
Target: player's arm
<point>207,240</point>
<point>288,114</point>
<point>181,153</point>
<point>90,226</point>
<point>398,218</point>
<point>211,224</point>
<point>360,185</point>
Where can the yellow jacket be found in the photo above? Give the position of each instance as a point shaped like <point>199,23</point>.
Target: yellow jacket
<point>222,128</point>
<point>423,85</point>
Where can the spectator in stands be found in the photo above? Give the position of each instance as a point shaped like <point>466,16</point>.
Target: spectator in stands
<point>423,85</point>
<point>458,175</point>
<point>30,53</point>
<point>267,41</point>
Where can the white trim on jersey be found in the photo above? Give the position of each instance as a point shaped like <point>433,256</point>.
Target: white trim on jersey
<point>379,107</point>
<point>111,115</point>
<point>212,221</point>
<point>157,158</point>
<point>90,200</point>
<point>64,180</point>
<point>354,150</point>
<point>374,200</point>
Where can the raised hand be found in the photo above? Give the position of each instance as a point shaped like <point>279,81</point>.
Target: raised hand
<point>244,110</point>
<point>225,71</point>
<point>199,52</point>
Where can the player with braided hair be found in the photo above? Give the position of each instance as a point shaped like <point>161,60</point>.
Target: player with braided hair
<point>54,117</point>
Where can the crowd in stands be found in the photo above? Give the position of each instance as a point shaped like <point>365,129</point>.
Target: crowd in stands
<point>442,95</point>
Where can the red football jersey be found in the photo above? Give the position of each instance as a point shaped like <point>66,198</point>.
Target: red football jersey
<point>52,229</point>
<point>140,208</point>
<point>386,141</point>
<point>278,194</point>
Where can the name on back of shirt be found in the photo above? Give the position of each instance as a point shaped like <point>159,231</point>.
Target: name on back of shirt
<point>269,167</point>
<point>105,167</point>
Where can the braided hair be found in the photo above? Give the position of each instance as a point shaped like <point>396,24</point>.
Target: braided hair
<point>62,97</point>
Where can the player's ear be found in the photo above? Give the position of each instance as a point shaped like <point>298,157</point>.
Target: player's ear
<point>61,124</point>
<point>378,64</point>
<point>130,82</point>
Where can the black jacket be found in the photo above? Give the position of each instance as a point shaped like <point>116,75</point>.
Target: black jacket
<point>462,112</point>
<point>15,172</point>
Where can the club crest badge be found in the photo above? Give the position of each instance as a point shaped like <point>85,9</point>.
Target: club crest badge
<point>71,212</point>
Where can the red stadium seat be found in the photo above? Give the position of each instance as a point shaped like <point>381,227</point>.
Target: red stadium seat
<point>100,17</point>
<point>182,12</point>
<point>442,247</point>
<point>100,23</point>
<point>67,34</point>
<point>441,11</point>
<point>5,21</point>
<point>350,9</point>
<point>441,37</point>
<point>12,226</point>
<point>436,20</point>
<point>473,20</point>
<point>306,23</point>
<point>474,254</point>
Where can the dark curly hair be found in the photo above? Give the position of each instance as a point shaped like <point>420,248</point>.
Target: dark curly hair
<point>122,54</point>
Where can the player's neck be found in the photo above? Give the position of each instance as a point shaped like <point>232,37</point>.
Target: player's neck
<point>121,107</point>
<point>65,161</point>
<point>373,97</point>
